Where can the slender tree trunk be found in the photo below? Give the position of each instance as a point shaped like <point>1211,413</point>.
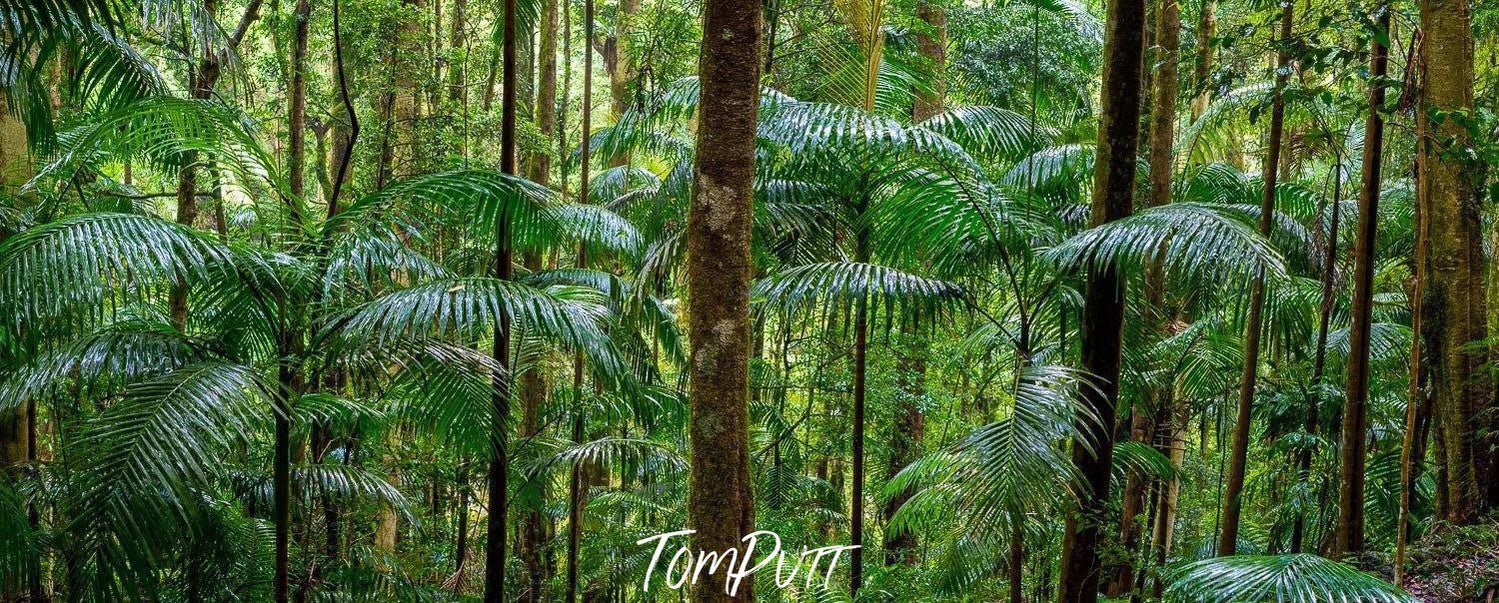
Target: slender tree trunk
<point>931,43</point>
<point>1228,538</point>
<point>619,66</point>
<point>1206,28</point>
<point>204,76</point>
<point>533,386</point>
<point>719,265</point>
<point>910,430</point>
<point>290,345</point>
<point>458,53</point>
<point>614,49</point>
<point>1454,309</point>
<point>577,492</point>
<point>1349,539</point>
<point>1418,403</point>
<point>1163,81</point>
<point>1319,362</point>
<point>1103,300</point>
<point>1016,567</point>
<point>499,464</point>
<point>861,377</point>
<point>18,449</point>
<point>460,552</point>
<point>546,91</point>
<point>1174,431</point>
<point>533,392</point>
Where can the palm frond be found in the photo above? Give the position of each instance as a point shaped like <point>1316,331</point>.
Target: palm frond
<point>1189,239</point>
<point>88,263</point>
<point>1298,578</point>
<point>842,285</point>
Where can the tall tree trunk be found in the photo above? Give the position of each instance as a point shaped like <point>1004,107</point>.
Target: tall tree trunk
<point>460,554</point>
<point>499,464</point>
<point>1454,312</point>
<point>909,431</point>
<point>18,426</point>
<point>1103,300</point>
<point>1206,28</point>
<point>546,91</point>
<point>1349,538</point>
<point>204,76</point>
<point>576,488</point>
<point>1228,538</point>
<point>1319,362</point>
<point>290,337</point>
<point>614,49</point>
<point>1163,81</point>
<point>1418,401</point>
<point>533,386</point>
<point>931,43</point>
<point>719,265</point>
<point>618,60</point>
<point>861,377</point>
<point>533,392</point>
<point>458,52</point>
<point>16,167</point>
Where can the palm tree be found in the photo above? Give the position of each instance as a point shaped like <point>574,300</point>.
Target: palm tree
<point>1349,538</point>
<point>1103,306</point>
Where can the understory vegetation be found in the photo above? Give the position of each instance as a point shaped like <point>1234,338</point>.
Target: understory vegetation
<point>1033,300</point>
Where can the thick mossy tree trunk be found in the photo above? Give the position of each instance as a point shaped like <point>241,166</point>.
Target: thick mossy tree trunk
<point>1454,313</point>
<point>1349,537</point>
<point>1154,412</point>
<point>1103,300</point>
<point>16,167</point>
<point>1228,537</point>
<point>719,265</point>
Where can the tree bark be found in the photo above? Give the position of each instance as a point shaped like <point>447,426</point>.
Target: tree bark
<point>1453,306</point>
<point>458,53</point>
<point>931,44</point>
<point>16,167</point>
<point>1319,362</point>
<point>1103,300</point>
<point>576,487</point>
<point>499,464</point>
<point>546,91</point>
<point>1207,26</point>
<point>908,433</point>
<point>719,265</point>
<point>1228,538</point>
<point>1349,538</point>
<point>1163,81</point>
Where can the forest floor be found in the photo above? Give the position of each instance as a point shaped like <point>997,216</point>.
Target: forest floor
<point>1456,564</point>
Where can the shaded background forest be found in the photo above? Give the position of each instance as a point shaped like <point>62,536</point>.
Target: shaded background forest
<point>291,312</point>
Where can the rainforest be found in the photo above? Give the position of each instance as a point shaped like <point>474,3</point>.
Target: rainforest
<point>656,300</point>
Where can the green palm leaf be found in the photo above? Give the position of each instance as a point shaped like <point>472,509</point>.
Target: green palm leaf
<point>1283,579</point>
<point>1188,239</point>
<point>841,285</point>
<point>87,264</point>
